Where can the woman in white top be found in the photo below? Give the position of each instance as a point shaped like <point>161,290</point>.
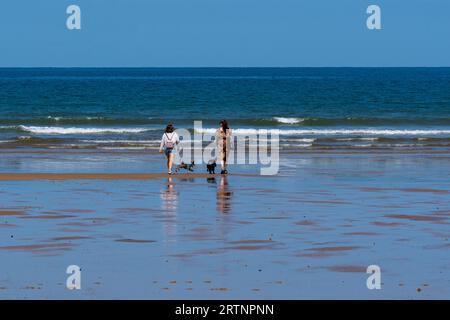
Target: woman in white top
<point>168,142</point>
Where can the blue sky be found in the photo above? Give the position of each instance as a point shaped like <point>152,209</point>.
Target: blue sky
<point>243,33</point>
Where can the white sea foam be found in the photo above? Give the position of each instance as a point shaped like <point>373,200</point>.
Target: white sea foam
<point>288,120</point>
<point>357,139</point>
<point>85,118</point>
<point>301,145</point>
<point>372,132</point>
<point>362,145</point>
<point>307,140</point>
<point>122,141</point>
<point>54,118</point>
<point>369,131</point>
<point>75,130</point>
<point>125,148</point>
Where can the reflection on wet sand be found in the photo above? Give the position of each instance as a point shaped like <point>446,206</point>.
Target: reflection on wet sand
<point>223,206</point>
<point>239,232</point>
<point>169,196</point>
<point>224,196</point>
<point>169,203</point>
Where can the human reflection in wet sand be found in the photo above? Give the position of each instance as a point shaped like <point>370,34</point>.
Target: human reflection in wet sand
<point>169,204</point>
<point>223,204</point>
<point>224,196</point>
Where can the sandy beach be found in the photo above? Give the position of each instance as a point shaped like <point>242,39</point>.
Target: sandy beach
<point>309,232</point>
<point>99,176</point>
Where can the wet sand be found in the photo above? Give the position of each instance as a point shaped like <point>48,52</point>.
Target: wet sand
<point>97,176</point>
<point>309,232</point>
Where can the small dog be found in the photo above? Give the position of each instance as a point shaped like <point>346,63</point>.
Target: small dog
<point>188,167</point>
<point>211,167</point>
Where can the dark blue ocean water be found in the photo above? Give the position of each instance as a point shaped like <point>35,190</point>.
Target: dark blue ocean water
<point>134,104</point>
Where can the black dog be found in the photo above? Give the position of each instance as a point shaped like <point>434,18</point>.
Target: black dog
<point>188,167</point>
<point>211,167</point>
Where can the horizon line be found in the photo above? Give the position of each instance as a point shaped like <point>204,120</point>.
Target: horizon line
<point>211,67</point>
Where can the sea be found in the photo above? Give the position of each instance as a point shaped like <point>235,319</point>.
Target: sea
<point>310,108</point>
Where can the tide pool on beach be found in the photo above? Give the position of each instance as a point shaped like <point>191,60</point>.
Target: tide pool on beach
<point>309,232</point>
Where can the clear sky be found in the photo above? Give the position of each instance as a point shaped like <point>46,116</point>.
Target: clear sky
<point>242,33</point>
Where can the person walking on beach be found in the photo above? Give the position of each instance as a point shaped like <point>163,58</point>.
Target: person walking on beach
<point>223,138</point>
<point>168,142</point>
